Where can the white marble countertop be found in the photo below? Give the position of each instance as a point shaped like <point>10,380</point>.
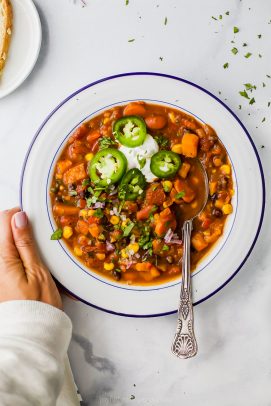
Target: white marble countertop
<point>121,361</point>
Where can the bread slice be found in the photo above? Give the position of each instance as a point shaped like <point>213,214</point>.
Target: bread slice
<point>6,17</point>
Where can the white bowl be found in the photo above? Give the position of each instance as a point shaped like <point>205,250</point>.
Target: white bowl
<point>241,230</point>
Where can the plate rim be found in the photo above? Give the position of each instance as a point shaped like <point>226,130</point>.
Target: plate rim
<point>23,78</point>
<point>168,76</point>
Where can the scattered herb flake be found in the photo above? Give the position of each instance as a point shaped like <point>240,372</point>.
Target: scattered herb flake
<point>57,235</point>
<point>132,397</point>
<point>98,213</point>
<point>240,107</point>
<point>165,248</point>
<point>131,40</point>
<point>214,18</point>
<point>269,103</point>
<point>264,84</point>
<point>262,146</point>
<point>180,195</point>
<point>227,13</point>
<point>162,141</point>
<point>106,142</point>
<point>226,65</point>
<point>263,120</point>
<point>252,101</point>
<point>234,51</point>
<point>260,56</point>
<point>128,229</point>
<point>220,17</point>
<point>161,58</point>
<point>249,86</point>
<point>235,30</point>
<point>248,55</point>
<point>259,35</point>
<point>244,94</point>
<point>165,21</point>
<point>244,44</point>
<point>268,76</point>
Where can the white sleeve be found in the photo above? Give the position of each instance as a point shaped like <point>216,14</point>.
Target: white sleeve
<point>34,369</point>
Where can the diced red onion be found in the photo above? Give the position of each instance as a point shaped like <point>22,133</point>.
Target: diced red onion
<point>168,236</point>
<point>109,246</point>
<point>99,205</point>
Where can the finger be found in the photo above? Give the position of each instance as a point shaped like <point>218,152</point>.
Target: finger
<point>24,240</point>
<point>7,246</point>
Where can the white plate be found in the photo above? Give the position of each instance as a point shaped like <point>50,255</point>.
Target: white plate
<point>242,229</point>
<point>24,48</point>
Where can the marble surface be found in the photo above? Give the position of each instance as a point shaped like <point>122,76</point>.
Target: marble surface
<point>121,361</point>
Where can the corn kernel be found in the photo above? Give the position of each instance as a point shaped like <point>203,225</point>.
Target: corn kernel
<point>58,176</point>
<point>90,212</point>
<point>100,256</point>
<point>78,252</point>
<point>108,266</point>
<point>167,185</point>
<point>225,169</point>
<point>133,247</point>
<point>106,120</point>
<point>114,220</point>
<point>171,116</point>
<point>83,213</point>
<point>219,203</point>
<point>89,156</point>
<point>124,253</point>
<point>212,187</point>
<point>178,148</point>
<point>154,272</point>
<point>67,232</point>
<point>217,162</point>
<point>194,204</point>
<point>61,187</point>
<point>124,223</point>
<point>227,208</point>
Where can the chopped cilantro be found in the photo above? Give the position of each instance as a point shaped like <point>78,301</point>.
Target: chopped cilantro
<point>86,182</point>
<point>128,229</point>
<point>264,84</point>
<point>269,103</point>
<point>244,94</point>
<point>252,101</point>
<point>263,119</point>
<point>240,107</point>
<point>220,17</point>
<point>142,162</point>
<point>235,30</point>
<point>248,55</point>
<point>249,86</point>
<point>268,76</point>
<point>262,146</point>
<point>72,193</point>
<point>227,13</point>
<point>259,35</point>
<point>106,142</point>
<point>162,141</point>
<point>57,235</point>
<point>165,248</point>
<point>234,51</point>
<point>161,58</point>
<point>214,18</point>
<point>180,195</point>
<point>131,40</point>
<point>126,2</point>
<point>226,65</point>
<point>244,44</point>
<point>165,21</point>
<point>98,213</point>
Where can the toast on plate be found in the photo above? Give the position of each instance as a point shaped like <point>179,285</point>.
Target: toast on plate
<point>6,17</point>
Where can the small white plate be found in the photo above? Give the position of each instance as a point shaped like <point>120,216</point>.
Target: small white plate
<point>24,47</point>
<point>242,227</point>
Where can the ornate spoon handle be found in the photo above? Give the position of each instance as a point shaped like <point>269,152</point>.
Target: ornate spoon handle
<point>184,343</point>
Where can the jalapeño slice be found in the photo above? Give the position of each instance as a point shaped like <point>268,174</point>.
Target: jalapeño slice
<point>165,164</point>
<point>130,131</point>
<point>107,167</point>
<point>132,185</point>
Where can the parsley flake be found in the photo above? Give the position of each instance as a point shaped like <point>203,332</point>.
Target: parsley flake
<point>57,235</point>
<point>234,51</point>
<point>131,40</point>
<point>244,94</point>
<point>252,101</point>
<point>180,195</point>
<point>260,36</point>
<point>248,55</point>
<point>263,120</point>
<point>249,86</point>
<point>165,21</point>
<point>235,30</point>
<point>226,65</point>
<point>227,13</point>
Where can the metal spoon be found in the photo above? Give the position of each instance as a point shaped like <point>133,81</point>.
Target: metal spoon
<point>184,343</point>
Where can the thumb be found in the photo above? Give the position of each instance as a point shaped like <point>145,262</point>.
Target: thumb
<point>24,241</point>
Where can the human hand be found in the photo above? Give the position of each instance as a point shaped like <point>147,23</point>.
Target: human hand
<point>23,276</point>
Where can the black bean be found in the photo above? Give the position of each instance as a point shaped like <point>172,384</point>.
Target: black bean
<point>116,274</point>
<point>217,213</point>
